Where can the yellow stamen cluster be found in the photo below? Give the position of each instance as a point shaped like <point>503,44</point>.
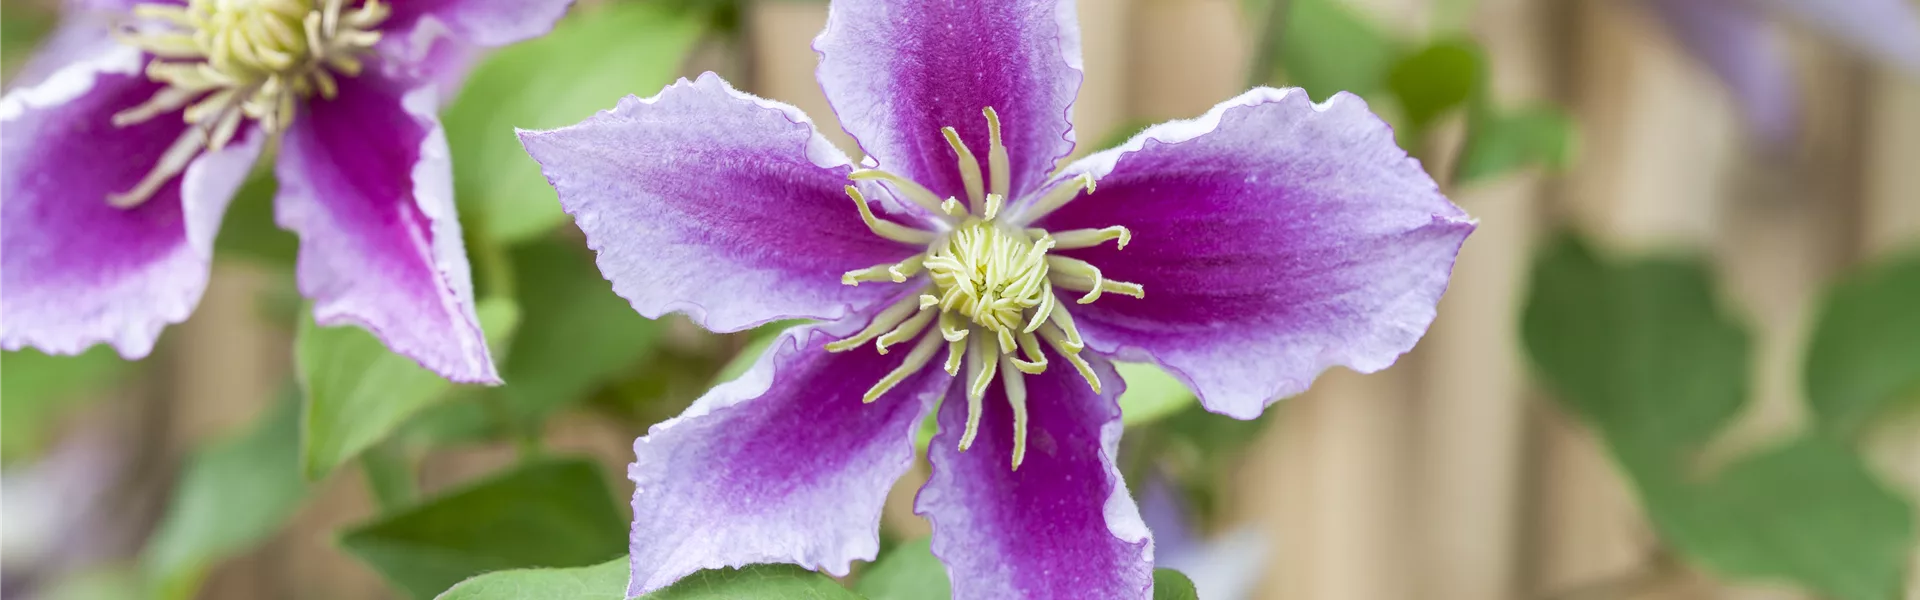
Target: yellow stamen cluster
<point>227,61</point>
<point>989,285</point>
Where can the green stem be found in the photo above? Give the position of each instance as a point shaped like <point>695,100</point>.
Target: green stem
<point>1266,52</point>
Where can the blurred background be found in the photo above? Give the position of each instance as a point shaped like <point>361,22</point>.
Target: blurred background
<point>1680,358</point>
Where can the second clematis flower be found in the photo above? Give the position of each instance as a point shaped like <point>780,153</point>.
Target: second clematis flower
<point>1245,251</point>
<point>120,160</point>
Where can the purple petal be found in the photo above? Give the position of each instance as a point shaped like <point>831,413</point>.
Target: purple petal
<point>896,71</point>
<point>783,465</point>
<point>366,184</point>
<point>724,206</point>
<point>1738,44</point>
<point>1062,525</point>
<point>480,22</point>
<point>1887,29</point>
<point>1275,238</point>
<point>77,271</point>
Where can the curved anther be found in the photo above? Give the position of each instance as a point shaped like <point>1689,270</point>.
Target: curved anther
<point>1074,239</point>
<point>884,228</point>
<point>1036,362</point>
<point>916,193</point>
<point>905,331</point>
<point>896,272</point>
<point>969,168</point>
<point>980,371</point>
<point>1058,196</point>
<point>917,358</point>
<point>1059,342</point>
<point>888,318</point>
<point>997,156</point>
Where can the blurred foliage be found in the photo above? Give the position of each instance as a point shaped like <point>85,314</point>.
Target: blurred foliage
<point>1864,357</point>
<point>1169,584</point>
<point>40,390</point>
<point>1642,352</point>
<point>595,56</point>
<point>576,335</point>
<point>549,513</point>
<point>357,391</point>
<point>604,581</point>
<point>909,571</point>
<point>1326,46</point>
<point>1434,81</point>
<point>232,494</point>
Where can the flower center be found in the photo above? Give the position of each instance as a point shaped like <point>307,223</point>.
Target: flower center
<point>989,283</point>
<point>227,61</point>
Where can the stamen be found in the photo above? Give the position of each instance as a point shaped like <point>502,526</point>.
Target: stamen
<point>916,359</point>
<point>896,272</point>
<point>887,229</point>
<point>993,205</point>
<point>952,207</point>
<point>1062,322</point>
<point>980,372</point>
<point>914,192</point>
<point>1056,339</point>
<point>1075,274</point>
<point>175,160</point>
<point>1016,387</point>
<point>906,330</point>
<point>1075,239</point>
<point>969,168</point>
<point>1058,196</point>
<point>997,156</point>
<point>956,350</point>
<point>887,319</point>
<point>1036,362</point>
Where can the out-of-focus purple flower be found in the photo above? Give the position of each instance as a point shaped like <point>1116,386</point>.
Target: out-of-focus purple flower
<point>1264,242</point>
<point>125,147</point>
<point>1738,42</point>
<point>1223,567</point>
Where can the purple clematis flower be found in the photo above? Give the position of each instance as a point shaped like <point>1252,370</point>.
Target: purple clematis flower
<point>143,118</point>
<point>1245,251</point>
<point>1737,41</point>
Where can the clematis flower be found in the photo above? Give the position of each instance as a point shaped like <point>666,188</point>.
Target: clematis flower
<point>1736,40</point>
<point>1245,251</point>
<point>142,120</point>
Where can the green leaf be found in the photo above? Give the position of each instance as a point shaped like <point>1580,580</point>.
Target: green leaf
<point>1169,584</point>
<point>1809,511</point>
<point>604,581</point>
<point>232,494</point>
<point>1328,47</point>
<point>1152,394</point>
<point>249,232</point>
<point>555,513</point>
<point>1864,356</point>
<point>40,389</point>
<point>592,58</point>
<point>755,582</point>
<point>1499,143</point>
<point>1435,80</point>
<point>357,392</point>
<point>1642,350</point>
<point>908,572</point>
<point>577,335</point>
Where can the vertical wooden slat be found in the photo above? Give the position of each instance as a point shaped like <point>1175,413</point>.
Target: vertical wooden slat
<point>1891,222</point>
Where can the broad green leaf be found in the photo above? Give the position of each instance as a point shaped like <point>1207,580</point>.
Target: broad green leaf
<point>755,582</point>
<point>1809,511</point>
<point>1152,394</point>
<point>357,392</point>
<point>576,335</point>
<point>1498,143</point>
<point>249,231</point>
<point>1435,80</point>
<point>604,581</point>
<point>39,389</point>
<point>554,513</point>
<point>1327,47</point>
<point>592,59</point>
<point>1865,351</point>
<point>1642,350</point>
<point>1169,584</point>
<point>908,572</point>
<point>232,494</point>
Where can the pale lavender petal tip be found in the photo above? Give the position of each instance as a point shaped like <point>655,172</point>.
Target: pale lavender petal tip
<point>78,271</point>
<point>715,203</point>
<point>1734,39</point>
<point>479,22</point>
<point>1275,238</point>
<point>1062,525</point>
<point>897,71</point>
<point>366,182</point>
<point>783,465</point>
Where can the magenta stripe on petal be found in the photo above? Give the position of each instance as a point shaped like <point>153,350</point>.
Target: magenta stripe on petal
<point>366,183</point>
<point>783,465</point>
<point>897,71</point>
<point>1062,525</point>
<point>1275,238</point>
<point>711,202</point>
<point>76,270</point>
